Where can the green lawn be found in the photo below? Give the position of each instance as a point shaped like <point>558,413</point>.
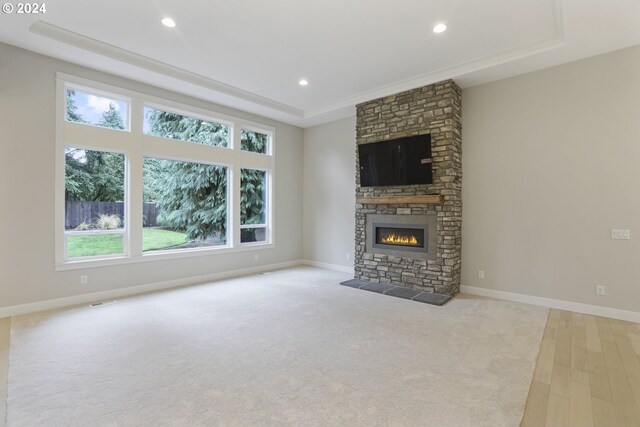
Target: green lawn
<point>154,239</point>
<point>105,244</point>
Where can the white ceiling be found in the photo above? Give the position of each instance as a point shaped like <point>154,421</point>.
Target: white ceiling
<point>250,54</point>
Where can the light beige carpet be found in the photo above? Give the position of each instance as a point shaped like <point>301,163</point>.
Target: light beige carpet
<point>288,348</point>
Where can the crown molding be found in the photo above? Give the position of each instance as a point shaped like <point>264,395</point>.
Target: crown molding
<point>62,35</point>
<point>438,76</point>
<point>304,118</point>
<point>554,42</point>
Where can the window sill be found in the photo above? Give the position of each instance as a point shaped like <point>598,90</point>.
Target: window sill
<point>159,256</point>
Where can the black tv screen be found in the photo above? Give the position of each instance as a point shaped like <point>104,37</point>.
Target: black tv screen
<point>402,161</point>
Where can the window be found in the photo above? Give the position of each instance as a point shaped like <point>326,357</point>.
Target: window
<point>185,205</point>
<point>142,193</point>
<point>94,202</point>
<point>96,110</point>
<point>185,128</point>
<point>254,141</point>
<point>253,206</point>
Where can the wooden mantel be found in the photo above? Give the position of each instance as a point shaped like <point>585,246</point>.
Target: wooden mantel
<point>401,200</point>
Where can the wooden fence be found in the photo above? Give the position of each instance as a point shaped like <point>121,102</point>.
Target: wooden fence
<point>77,213</point>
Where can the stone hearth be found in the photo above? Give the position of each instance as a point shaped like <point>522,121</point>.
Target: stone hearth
<point>436,110</point>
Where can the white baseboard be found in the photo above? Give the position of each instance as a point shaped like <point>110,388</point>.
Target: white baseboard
<point>595,310</point>
<point>335,267</point>
<point>33,307</point>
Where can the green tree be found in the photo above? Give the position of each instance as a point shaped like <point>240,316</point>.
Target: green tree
<point>111,118</point>
<point>154,171</point>
<point>193,199</point>
<point>253,141</point>
<point>176,126</point>
<point>72,108</point>
<point>77,179</point>
<point>94,175</point>
<point>252,196</point>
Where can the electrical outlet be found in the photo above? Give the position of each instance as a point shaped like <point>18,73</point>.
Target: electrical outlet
<point>620,234</point>
<point>480,274</point>
<point>600,290</point>
<point>348,257</point>
<point>255,257</point>
<point>84,279</point>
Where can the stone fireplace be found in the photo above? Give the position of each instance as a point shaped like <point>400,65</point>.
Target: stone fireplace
<point>410,235</point>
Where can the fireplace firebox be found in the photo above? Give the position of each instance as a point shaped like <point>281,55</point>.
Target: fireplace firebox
<point>399,237</point>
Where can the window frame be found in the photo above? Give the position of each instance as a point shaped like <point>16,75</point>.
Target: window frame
<point>104,94</point>
<point>267,224</point>
<point>262,131</point>
<point>183,112</point>
<point>229,176</point>
<point>136,145</point>
<point>120,231</point>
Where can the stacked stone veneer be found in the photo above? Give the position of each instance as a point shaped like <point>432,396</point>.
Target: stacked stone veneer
<point>434,109</point>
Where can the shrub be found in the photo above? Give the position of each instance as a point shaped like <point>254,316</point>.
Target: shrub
<point>83,227</point>
<point>108,222</point>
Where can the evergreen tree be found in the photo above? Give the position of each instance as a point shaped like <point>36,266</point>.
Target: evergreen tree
<point>193,199</point>
<point>72,108</point>
<point>111,118</point>
<point>154,171</point>
<point>253,141</point>
<point>94,175</point>
<point>176,126</point>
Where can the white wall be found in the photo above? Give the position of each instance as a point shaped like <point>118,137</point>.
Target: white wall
<point>329,192</point>
<point>551,162</point>
<point>27,123</point>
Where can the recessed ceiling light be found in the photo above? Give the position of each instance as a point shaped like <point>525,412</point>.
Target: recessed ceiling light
<point>440,28</point>
<point>303,82</point>
<point>168,22</point>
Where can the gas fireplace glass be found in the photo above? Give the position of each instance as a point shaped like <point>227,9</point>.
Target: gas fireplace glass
<point>399,236</point>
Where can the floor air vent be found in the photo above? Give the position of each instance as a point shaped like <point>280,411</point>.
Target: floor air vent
<point>102,303</point>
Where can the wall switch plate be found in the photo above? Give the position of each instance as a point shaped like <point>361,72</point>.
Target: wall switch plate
<point>84,279</point>
<point>620,234</point>
<point>600,290</point>
<point>348,257</point>
<point>480,274</point>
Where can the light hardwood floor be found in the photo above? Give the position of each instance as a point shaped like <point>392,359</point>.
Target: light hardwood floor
<point>587,373</point>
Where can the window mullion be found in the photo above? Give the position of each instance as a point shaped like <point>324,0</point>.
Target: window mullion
<point>135,182</point>
<point>234,199</point>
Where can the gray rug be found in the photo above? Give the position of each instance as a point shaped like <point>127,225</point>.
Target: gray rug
<point>288,348</point>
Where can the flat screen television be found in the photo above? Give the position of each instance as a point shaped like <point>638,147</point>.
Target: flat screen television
<point>402,161</point>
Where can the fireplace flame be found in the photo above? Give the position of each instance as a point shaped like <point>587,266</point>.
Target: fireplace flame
<point>395,239</point>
